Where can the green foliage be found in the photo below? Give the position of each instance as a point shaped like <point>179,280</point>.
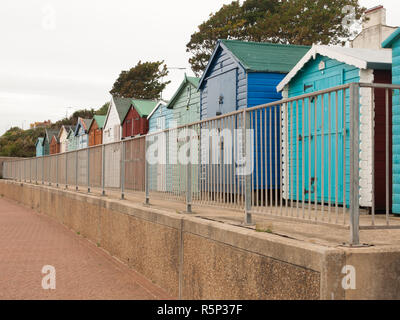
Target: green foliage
<point>20,143</point>
<point>103,110</point>
<point>301,22</point>
<point>73,119</point>
<point>144,81</point>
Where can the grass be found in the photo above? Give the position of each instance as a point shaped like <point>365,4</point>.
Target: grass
<point>267,229</point>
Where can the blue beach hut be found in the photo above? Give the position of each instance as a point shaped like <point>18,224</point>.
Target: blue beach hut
<point>39,147</point>
<point>325,67</point>
<point>241,75</point>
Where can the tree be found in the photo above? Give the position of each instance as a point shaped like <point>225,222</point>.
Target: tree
<point>20,143</point>
<point>144,81</point>
<point>301,22</point>
<point>227,23</point>
<point>103,110</point>
<point>73,119</point>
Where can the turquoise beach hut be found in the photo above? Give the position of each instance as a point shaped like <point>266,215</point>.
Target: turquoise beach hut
<point>394,42</point>
<point>325,67</point>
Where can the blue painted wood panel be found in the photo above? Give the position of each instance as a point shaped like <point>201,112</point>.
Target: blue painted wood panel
<point>39,148</point>
<point>239,89</point>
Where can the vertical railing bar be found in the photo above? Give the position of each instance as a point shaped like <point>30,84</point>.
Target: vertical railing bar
<point>88,169</point>
<point>281,145</point>
<point>188,174</point>
<point>316,158</point>
<point>251,116</point>
<point>210,169</point>
<point>337,156</point>
<point>329,157</point>
<point>49,171</point>
<point>222,189</point>
<point>257,149</point>
<point>248,183</point>
<point>373,126</point>
<point>146,174</point>
<point>303,167</point>
<point>387,151</point>
<point>219,166</point>
<point>291,157</point>
<point>231,178</point>
<point>277,111</point>
<point>344,156</point>
<point>287,175</point>
<point>297,159</point>
<point>123,160</point>
<point>36,171</point>
<point>268,170</point>
<point>323,157</point>
<point>264,161</point>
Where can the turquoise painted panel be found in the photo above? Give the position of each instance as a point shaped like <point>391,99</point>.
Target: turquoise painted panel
<point>307,139</point>
<point>396,128</point>
<point>39,149</point>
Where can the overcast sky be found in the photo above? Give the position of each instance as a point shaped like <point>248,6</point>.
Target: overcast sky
<point>67,54</point>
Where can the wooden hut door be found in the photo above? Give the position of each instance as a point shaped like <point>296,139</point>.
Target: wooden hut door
<point>319,131</point>
<point>222,94</point>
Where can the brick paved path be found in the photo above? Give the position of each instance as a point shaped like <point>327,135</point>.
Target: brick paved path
<point>29,241</point>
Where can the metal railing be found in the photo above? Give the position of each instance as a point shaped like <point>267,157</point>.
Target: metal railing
<point>316,158</point>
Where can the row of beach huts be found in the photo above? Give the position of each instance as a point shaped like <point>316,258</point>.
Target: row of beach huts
<point>247,74</point>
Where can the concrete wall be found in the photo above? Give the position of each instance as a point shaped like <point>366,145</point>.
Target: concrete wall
<point>197,259</point>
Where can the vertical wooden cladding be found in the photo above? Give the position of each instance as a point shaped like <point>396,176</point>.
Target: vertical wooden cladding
<point>134,124</point>
<point>382,76</point>
<point>54,146</point>
<point>95,135</point>
<point>135,151</point>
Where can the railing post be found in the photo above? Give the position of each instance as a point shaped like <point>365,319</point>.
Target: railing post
<point>247,175</point>
<point>188,174</point>
<point>30,170</point>
<point>76,170</point>
<point>354,165</point>
<point>36,171</point>
<point>122,170</point>
<point>146,173</point>
<point>103,169</point>
<point>88,169</point>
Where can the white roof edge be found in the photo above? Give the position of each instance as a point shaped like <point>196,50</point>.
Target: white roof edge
<point>329,52</point>
<point>156,107</point>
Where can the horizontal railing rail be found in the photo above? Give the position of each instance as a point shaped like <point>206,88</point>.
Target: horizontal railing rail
<point>321,157</point>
